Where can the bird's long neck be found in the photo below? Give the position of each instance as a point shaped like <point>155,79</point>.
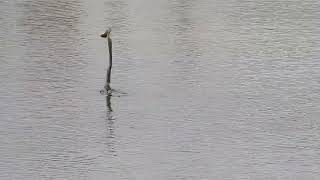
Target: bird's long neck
<point>110,60</point>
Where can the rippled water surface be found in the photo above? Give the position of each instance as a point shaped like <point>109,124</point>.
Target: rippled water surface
<point>209,90</point>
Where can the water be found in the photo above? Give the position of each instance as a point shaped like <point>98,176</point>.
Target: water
<point>210,90</point>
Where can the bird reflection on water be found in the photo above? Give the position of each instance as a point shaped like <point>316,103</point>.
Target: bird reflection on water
<point>110,119</point>
<point>110,126</point>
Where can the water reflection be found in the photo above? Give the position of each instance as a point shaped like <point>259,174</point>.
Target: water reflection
<point>110,126</point>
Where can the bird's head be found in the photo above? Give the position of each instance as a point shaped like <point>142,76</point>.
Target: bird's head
<point>106,34</point>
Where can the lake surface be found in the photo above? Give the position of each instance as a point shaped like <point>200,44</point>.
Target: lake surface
<point>208,90</point>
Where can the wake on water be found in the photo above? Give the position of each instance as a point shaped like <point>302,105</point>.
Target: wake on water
<point>112,92</point>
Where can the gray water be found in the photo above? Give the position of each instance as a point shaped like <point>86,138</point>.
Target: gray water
<point>206,90</point>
